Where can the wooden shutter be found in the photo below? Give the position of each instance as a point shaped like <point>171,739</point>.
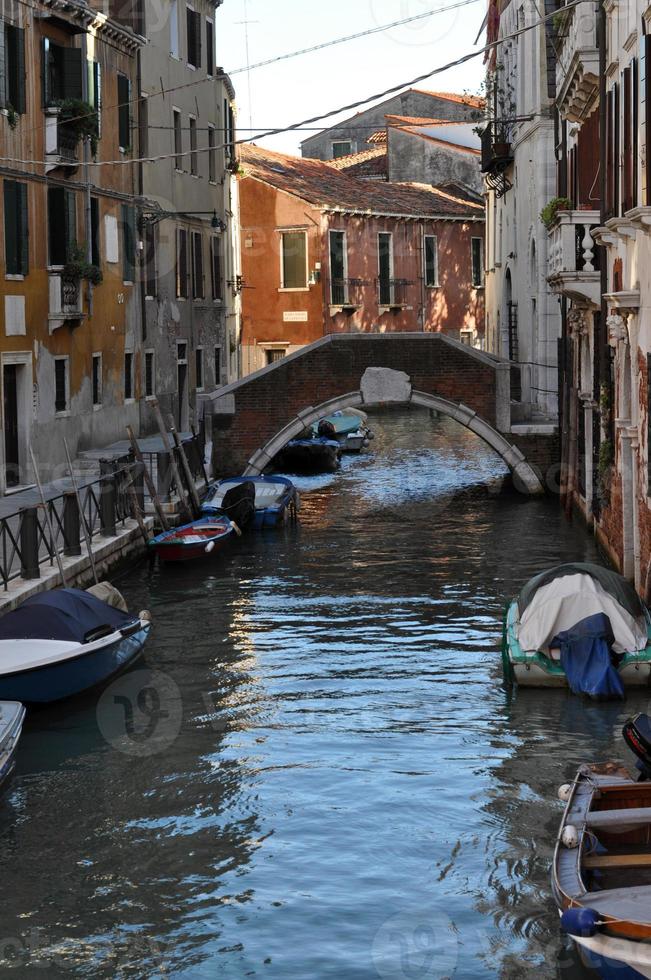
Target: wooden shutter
<point>210,48</point>
<point>610,165</point>
<point>635,130</point>
<point>94,231</point>
<point>71,86</point>
<point>3,92</point>
<point>197,265</point>
<point>124,111</point>
<point>16,43</point>
<point>216,267</point>
<point>128,243</point>
<point>11,225</point>
<point>56,220</point>
<point>182,263</point>
<point>70,203</point>
<point>617,148</point>
<point>627,123</point>
<point>23,229</point>
<point>45,70</point>
<point>645,119</point>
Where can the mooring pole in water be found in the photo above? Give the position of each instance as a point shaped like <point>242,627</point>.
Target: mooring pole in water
<point>167,446</point>
<point>48,520</point>
<point>87,535</point>
<point>189,479</point>
<point>153,492</point>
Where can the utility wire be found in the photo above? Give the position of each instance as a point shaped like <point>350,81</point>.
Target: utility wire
<point>327,115</point>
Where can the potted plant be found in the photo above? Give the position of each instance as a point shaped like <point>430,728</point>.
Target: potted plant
<point>551,209</point>
<point>77,267</point>
<point>80,119</point>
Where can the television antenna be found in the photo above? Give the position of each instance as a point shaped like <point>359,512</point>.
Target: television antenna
<point>245,23</point>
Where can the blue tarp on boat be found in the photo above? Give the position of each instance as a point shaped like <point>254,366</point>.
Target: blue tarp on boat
<point>587,660</point>
<point>63,614</point>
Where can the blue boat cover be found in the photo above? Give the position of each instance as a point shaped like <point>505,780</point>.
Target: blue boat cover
<point>63,614</point>
<point>586,658</point>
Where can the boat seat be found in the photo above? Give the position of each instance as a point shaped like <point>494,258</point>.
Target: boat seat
<point>615,819</point>
<point>616,861</point>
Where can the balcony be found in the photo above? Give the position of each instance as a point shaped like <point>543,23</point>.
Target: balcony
<point>496,157</point>
<point>573,260</point>
<point>577,64</point>
<point>346,295</point>
<point>393,294</point>
<point>65,300</point>
<point>61,143</point>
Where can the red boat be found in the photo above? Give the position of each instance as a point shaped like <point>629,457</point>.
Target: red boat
<point>200,539</point>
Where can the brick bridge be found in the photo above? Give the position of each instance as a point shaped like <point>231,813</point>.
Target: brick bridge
<point>254,418</point>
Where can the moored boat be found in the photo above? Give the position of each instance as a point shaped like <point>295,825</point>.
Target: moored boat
<point>579,625</point>
<point>349,428</point>
<point>12,715</point>
<point>276,498</point>
<point>60,643</point>
<point>309,456</point>
<point>202,538</point>
<point>601,875</point>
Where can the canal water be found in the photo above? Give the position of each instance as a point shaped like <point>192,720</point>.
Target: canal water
<point>315,772</point>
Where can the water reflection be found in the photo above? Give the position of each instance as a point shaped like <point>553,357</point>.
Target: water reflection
<point>352,793</point>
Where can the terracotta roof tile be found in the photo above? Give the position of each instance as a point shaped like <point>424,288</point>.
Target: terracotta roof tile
<point>379,137</point>
<point>474,101</point>
<point>366,163</point>
<point>330,189</point>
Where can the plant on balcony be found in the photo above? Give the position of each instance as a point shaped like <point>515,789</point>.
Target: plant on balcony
<point>77,267</point>
<point>551,209</point>
<point>604,472</point>
<point>80,120</point>
<point>12,116</point>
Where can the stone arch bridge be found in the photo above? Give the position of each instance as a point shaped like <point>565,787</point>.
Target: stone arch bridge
<point>252,419</point>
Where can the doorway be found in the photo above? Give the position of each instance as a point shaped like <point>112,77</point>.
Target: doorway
<point>16,417</point>
<point>10,403</point>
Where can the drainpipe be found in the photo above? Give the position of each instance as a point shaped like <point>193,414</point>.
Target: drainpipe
<point>141,192</point>
<point>601,371</point>
<point>423,289</point>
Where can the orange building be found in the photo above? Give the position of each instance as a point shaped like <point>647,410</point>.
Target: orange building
<point>324,252</point>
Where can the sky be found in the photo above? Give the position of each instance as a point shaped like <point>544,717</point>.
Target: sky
<point>293,90</point>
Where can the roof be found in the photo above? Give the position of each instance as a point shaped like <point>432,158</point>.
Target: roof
<point>475,101</point>
<point>458,134</point>
<point>393,119</point>
<point>330,189</point>
<point>379,137</point>
<point>366,163</point>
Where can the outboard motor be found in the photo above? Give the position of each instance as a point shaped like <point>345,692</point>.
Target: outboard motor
<point>239,504</point>
<point>326,430</point>
<point>637,735</point>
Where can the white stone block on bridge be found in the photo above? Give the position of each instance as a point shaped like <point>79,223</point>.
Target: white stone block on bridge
<point>381,385</point>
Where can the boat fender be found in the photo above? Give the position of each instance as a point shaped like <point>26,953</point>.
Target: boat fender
<point>580,922</point>
<point>144,615</point>
<point>209,547</point>
<point>565,792</point>
<point>570,836</point>
<point>236,529</point>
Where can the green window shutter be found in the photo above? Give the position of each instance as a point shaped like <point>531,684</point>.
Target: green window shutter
<point>128,243</point>
<point>94,231</point>
<point>93,72</point>
<point>14,71</point>
<point>11,224</point>
<point>71,68</point>
<point>70,200</point>
<point>45,70</point>
<point>23,229</point>
<point>124,111</point>
<point>3,90</point>
<point>56,219</point>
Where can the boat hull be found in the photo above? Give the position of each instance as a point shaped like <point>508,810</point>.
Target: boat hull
<point>274,515</point>
<point>9,745</point>
<point>309,456</point>
<point>535,669</point>
<point>56,681</point>
<point>193,541</point>
<point>614,959</point>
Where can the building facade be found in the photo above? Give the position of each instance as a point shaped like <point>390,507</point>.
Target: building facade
<point>323,252</point>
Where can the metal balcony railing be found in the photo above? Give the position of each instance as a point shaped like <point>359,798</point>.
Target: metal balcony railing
<point>346,292</point>
<point>393,292</point>
<point>496,150</point>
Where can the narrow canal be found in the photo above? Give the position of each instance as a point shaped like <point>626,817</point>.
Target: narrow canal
<point>321,775</point>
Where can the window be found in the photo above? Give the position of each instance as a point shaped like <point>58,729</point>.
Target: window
<point>12,76</point>
<point>338,284</point>
<point>94,232</point>
<point>149,244</point>
<point>218,366</point>
<point>174,29</point>
<point>212,156</point>
<point>197,265</point>
<point>128,376</point>
<point>62,224</point>
<point>95,89</point>
<point>385,268</point>
<point>274,354</point>
<point>149,374</point>
<point>128,243</point>
<point>16,228</point>
<point>194,38</point>
<point>181,352</point>
<point>60,384</point>
<point>229,133</point>
<point>143,126</point>
<point>431,261</point>
<point>341,148</point>
<point>477,246</point>
<point>194,169</point>
<point>198,360</point>
<point>216,267</point>
<point>124,112</point>
<point>210,48</point>
<point>61,72</point>
<point>294,259</point>
<point>97,379</point>
<point>182,264</point>
<point>178,140</point>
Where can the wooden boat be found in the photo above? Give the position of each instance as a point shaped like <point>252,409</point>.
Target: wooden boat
<point>579,625</point>
<point>309,456</point>
<point>601,876</point>
<point>202,538</point>
<point>61,643</point>
<point>12,715</point>
<point>348,427</point>
<point>276,499</point>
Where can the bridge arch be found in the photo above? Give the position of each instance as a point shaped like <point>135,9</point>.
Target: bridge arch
<point>526,477</point>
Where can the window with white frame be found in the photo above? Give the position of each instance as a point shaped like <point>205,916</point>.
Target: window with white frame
<point>341,148</point>
<point>385,268</point>
<point>97,379</point>
<point>178,139</point>
<point>431,260</point>
<point>210,47</point>
<point>293,259</point>
<point>150,376</point>
<point>61,385</point>
<point>128,376</point>
<point>193,22</point>
<point>338,265</point>
<point>477,249</point>
<point>194,158</point>
<point>174,29</point>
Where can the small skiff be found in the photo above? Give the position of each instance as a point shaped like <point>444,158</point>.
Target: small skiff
<point>579,625</point>
<point>309,456</point>
<point>60,643</point>
<point>12,715</point>
<point>203,538</point>
<point>348,427</point>
<point>276,499</point>
<point>601,876</point>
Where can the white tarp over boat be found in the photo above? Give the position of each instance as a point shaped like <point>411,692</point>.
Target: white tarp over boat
<point>562,603</point>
